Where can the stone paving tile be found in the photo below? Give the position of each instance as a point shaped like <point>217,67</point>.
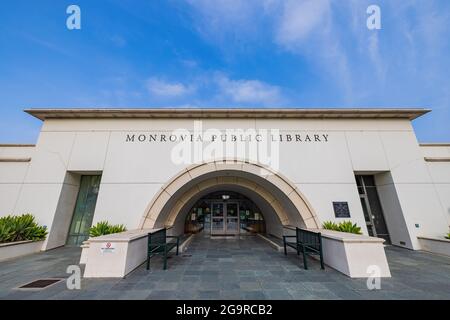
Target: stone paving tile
<point>278,294</point>
<point>231,269</point>
<point>161,295</point>
<point>303,295</point>
<point>254,295</point>
<point>186,294</point>
<point>250,286</point>
<point>231,295</point>
<point>209,294</point>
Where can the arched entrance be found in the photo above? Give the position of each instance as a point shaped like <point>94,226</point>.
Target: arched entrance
<point>224,213</point>
<point>275,195</point>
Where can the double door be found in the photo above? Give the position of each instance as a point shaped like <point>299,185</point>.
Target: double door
<point>224,218</point>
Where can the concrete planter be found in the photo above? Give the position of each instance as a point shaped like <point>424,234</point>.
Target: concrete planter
<point>352,254</point>
<point>20,248</point>
<point>84,252</point>
<point>435,245</point>
<point>355,255</point>
<point>116,255</point>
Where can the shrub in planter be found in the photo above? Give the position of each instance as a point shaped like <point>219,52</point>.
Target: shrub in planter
<point>103,227</point>
<point>448,236</point>
<point>348,226</point>
<point>330,225</point>
<point>21,228</point>
<point>345,226</point>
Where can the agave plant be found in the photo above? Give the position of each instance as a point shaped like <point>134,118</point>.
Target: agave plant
<point>349,227</point>
<point>20,228</point>
<point>103,227</point>
<point>330,225</point>
<point>6,232</point>
<point>345,226</point>
<point>117,228</point>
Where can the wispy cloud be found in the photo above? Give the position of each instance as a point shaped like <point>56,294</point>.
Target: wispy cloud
<point>162,88</point>
<point>219,87</point>
<point>118,41</point>
<point>49,45</point>
<point>300,19</point>
<point>248,91</point>
<point>222,20</point>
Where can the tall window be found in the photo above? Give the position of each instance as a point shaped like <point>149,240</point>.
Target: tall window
<point>373,212</point>
<point>84,210</point>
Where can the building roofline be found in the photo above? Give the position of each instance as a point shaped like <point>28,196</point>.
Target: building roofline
<point>435,144</point>
<point>17,145</point>
<point>328,113</point>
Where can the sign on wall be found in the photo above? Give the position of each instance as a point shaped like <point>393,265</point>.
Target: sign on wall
<point>108,247</point>
<point>341,210</point>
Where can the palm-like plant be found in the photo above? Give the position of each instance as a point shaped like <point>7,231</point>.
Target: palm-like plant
<point>99,229</point>
<point>21,228</point>
<point>345,226</point>
<point>103,227</point>
<point>348,226</point>
<point>330,225</point>
<point>117,228</point>
<point>6,232</point>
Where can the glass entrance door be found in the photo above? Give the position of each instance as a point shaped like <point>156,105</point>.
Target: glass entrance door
<point>224,218</point>
<point>217,218</point>
<point>232,218</point>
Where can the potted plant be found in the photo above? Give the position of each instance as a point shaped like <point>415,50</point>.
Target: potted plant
<point>344,226</point>
<point>103,227</point>
<point>20,235</point>
<point>100,229</point>
<point>21,228</point>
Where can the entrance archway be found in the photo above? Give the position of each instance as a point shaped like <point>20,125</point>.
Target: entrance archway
<point>224,213</point>
<point>260,182</point>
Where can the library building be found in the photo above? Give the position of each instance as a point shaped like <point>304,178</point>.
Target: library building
<point>230,173</point>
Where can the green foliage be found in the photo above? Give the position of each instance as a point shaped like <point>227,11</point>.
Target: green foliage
<point>448,235</point>
<point>330,225</point>
<point>103,227</point>
<point>348,226</point>
<point>99,229</point>
<point>345,226</point>
<point>21,228</point>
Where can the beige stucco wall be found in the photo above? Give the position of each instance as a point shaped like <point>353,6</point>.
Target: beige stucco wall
<point>133,173</point>
<point>12,175</point>
<point>439,172</point>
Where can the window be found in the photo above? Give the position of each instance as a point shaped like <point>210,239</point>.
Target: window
<point>373,212</point>
<point>84,210</point>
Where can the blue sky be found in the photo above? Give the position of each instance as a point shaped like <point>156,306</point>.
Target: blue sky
<point>224,53</point>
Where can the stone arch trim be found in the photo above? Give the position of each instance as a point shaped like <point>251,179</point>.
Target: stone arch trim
<point>194,171</point>
<point>227,181</point>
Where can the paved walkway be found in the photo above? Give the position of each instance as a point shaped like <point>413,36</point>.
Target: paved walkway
<point>231,269</point>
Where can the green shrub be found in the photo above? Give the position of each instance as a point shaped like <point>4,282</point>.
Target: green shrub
<point>103,227</point>
<point>330,225</point>
<point>21,228</point>
<point>448,235</point>
<point>345,226</point>
<point>348,226</point>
